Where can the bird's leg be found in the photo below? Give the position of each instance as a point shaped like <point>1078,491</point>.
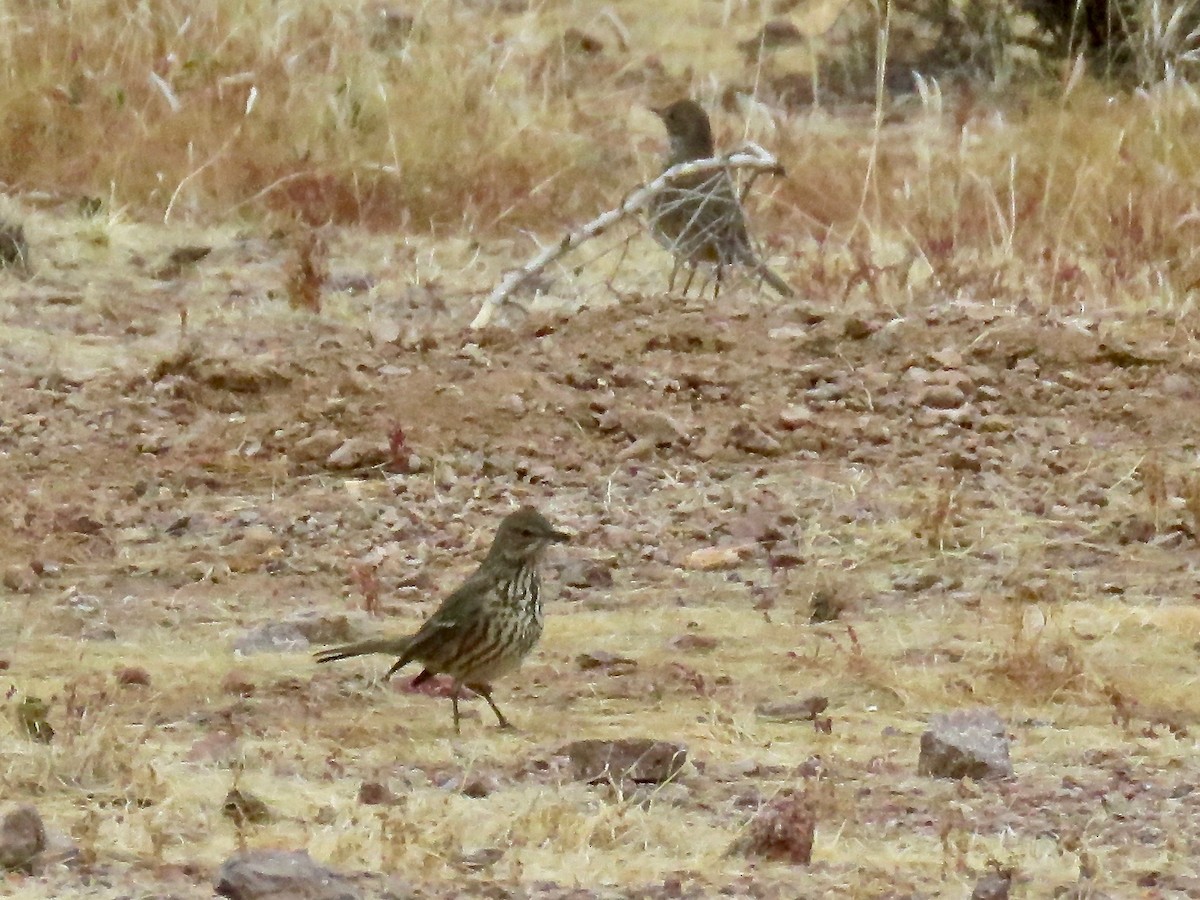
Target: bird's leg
<point>485,691</point>
<point>454,704</point>
<point>717,283</point>
<point>687,284</point>
<point>671,280</point>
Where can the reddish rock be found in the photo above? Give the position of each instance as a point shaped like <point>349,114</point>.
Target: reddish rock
<point>782,831</point>
<point>130,676</point>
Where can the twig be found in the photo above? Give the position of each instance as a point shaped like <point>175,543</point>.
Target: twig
<point>751,157</point>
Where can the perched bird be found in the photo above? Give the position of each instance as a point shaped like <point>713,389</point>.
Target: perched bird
<point>698,217</point>
<point>485,628</point>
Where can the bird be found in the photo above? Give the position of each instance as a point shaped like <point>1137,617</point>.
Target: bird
<point>698,217</point>
<point>486,628</point>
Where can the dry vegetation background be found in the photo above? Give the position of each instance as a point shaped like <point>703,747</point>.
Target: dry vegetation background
<point>240,409</point>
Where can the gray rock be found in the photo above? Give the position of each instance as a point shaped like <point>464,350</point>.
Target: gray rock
<point>281,875</point>
<point>993,886</point>
<point>22,837</point>
<point>298,632</point>
<point>966,743</point>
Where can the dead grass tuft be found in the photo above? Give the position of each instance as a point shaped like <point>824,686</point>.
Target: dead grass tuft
<point>169,109</point>
<point>307,272</point>
<point>1039,662</point>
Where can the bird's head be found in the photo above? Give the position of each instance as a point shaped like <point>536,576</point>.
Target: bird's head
<point>524,535</point>
<point>689,131</point>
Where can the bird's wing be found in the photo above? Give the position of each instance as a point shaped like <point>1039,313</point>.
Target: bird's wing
<point>455,610</point>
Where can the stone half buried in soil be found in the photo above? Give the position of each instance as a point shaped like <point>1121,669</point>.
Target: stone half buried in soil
<point>298,632</point>
<point>22,837</point>
<point>782,831</point>
<point>965,743</point>
<point>640,760</point>
<point>281,875</point>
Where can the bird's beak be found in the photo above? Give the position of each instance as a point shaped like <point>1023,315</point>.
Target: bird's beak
<point>559,537</point>
<point>659,111</point>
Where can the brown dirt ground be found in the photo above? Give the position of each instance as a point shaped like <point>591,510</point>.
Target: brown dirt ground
<point>994,492</point>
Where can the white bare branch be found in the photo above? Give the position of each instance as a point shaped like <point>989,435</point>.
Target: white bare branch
<point>751,157</point>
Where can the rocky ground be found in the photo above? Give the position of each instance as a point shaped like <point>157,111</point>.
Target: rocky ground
<point>802,529</point>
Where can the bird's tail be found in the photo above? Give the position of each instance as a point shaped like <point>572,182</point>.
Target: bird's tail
<point>392,646</point>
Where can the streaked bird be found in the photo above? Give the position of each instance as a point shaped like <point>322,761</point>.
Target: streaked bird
<point>486,628</point>
<point>698,217</point>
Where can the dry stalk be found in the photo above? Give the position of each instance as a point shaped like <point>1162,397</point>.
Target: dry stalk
<point>751,157</point>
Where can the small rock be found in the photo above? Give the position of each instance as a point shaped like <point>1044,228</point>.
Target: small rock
<point>970,743</point>
<point>281,875</point>
<point>1177,385</point>
<point>994,885</point>
<point>46,568</point>
<point>575,572</point>
<point>357,453</point>
<point>707,559</point>
<point>19,579</point>
<point>782,831</point>
<point>478,785</point>
<point>481,859</point>
<point>805,710</point>
<point>856,329</point>
<point>609,662</point>
<point>947,358</point>
<point>914,582</point>
<point>633,759</point>
<point>238,683</point>
<point>383,329</point>
<point>750,438</point>
<point>794,417</point>
<point>297,633</point>
<point>656,428</point>
<point>22,837</point>
<point>941,396</point>
<point>258,538</point>
<point>274,637</point>
<point>788,333</point>
<point>323,628</point>
<point>374,793</point>
<point>180,259</point>
<point>131,676</point>
<point>695,642</point>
